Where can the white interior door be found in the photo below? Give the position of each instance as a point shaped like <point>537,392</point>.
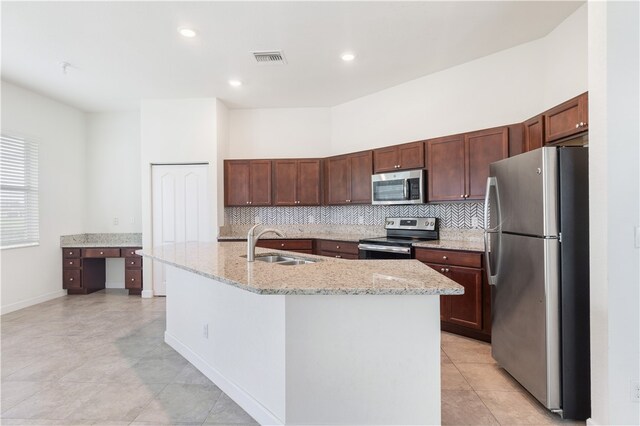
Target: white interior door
<point>180,210</point>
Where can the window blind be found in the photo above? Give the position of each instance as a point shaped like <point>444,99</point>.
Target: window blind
<point>19,217</point>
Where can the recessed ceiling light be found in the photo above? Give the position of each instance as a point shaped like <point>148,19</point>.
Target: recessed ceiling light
<point>347,57</point>
<point>235,83</point>
<point>187,32</point>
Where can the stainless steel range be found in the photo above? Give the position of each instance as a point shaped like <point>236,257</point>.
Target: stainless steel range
<point>402,232</point>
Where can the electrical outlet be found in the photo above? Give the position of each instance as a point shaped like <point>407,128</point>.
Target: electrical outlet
<point>635,390</point>
<point>205,331</point>
<point>257,219</point>
<point>116,221</point>
<point>312,219</point>
<point>360,220</point>
<point>474,222</point>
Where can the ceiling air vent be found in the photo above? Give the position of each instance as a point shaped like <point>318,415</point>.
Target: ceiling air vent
<point>270,57</point>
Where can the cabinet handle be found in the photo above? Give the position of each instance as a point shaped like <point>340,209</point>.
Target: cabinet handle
<point>337,247</point>
<point>445,257</point>
<point>466,195</point>
<point>70,252</point>
<point>442,270</point>
<point>132,279</point>
<point>446,269</point>
<point>70,279</point>
<point>577,125</point>
<point>338,256</point>
<point>132,263</point>
<point>70,263</point>
<point>282,245</point>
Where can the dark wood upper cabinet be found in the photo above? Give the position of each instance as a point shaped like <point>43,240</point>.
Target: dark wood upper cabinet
<point>533,133</point>
<point>567,119</point>
<point>445,168</point>
<point>481,149</point>
<point>348,178</point>
<point>247,182</point>
<point>458,166</point>
<point>296,182</point>
<point>399,157</point>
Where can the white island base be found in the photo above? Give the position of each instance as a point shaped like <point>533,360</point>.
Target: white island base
<point>311,359</point>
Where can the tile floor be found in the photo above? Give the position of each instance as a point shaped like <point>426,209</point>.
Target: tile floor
<point>100,359</point>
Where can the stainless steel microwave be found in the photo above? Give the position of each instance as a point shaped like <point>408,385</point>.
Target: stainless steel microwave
<point>398,187</point>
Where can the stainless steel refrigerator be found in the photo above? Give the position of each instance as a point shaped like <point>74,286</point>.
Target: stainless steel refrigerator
<point>537,263</point>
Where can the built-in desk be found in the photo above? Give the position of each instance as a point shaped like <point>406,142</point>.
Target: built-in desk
<point>84,261</point>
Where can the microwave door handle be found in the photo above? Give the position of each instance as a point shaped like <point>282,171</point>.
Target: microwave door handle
<point>492,184</point>
<point>405,189</point>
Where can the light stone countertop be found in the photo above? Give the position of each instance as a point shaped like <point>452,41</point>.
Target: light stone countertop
<point>328,276</point>
<point>101,240</point>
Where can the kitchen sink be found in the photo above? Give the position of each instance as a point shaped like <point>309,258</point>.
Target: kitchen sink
<point>283,260</point>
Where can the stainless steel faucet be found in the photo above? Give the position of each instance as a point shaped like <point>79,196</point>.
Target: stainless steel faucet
<point>253,240</point>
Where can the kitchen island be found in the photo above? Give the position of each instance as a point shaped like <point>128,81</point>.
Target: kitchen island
<point>331,342</point>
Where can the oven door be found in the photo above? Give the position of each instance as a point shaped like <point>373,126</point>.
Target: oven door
<point>378,251</point>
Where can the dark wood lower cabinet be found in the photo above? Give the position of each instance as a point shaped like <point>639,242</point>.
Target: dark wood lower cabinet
<point>83,269</point>
<point>337,249</point>
<point>468,314</point>
<point>297,246</point>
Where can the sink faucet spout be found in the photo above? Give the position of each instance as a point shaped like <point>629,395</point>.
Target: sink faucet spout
<point>252,240</point>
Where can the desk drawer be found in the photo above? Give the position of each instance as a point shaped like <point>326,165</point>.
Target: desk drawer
<point>133,278</point>
<point>133,262</point>
<point>71,252</point>
<point>130,252</point>
<point>71,263</point>
<point>101,252</point>
<point>448,257</point>
<point>71,278</point>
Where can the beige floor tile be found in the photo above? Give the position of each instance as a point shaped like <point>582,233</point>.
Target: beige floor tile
<point>228,412</point>
<point>192,376</point>
<point>99,370</point>
<point>451,378</point>
<point>514,408</point>
<point>15,392</point>
<point>45,370</point>
<point>467,350</point>
<point>487,377</point>
<point>54,403</point>
<point>460,407</point>
<point>116,402</point>
<point>444,359</point>
<point>181,403</point>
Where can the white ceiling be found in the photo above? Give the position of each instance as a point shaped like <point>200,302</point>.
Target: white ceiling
<point>122,52</point>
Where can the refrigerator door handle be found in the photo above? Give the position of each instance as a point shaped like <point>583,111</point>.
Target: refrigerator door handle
<point>492,183</point>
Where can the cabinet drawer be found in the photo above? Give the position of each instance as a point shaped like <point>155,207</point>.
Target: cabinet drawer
<point>133,262</point>
<point>71,252</point>
<point>449,257</point>
<point>101,252</point>
<point>71,278</point>
<point>286,244</point>
<point>337,255</point>
<point>71,263</point>
<point>133,278</point>
<point>341,247</point>
<point>130,252</point>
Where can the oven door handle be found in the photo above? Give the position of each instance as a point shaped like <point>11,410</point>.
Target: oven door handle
<point>386,249</point>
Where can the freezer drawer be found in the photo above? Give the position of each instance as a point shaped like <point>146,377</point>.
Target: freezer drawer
<point>525,315</point>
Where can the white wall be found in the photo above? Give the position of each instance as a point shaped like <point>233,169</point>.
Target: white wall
<point>34,274</point>
<point>177,131</point>
<point>279,132</point>
<point>506,87</point>
<point>222,127</point>
<point>614,190</point>
<point>113,172</point>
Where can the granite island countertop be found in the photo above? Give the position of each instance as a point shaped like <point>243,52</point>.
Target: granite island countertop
<point>328,276</point>
<point>101,240</point>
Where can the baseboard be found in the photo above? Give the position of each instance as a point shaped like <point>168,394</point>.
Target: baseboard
<point>30,302</point>
<point>256,410</point>
<point>114,284</point>
<point>147,294</point>
<point>590,422</point>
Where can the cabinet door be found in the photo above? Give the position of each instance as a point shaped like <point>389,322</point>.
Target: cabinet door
<point>361,168</point>
<point>385,159</point>
<point>411,155</point>
<point>466,309</point>
<point>483,148</point>
<point>445,301</point>
<point>533,133</point>
<point>445,164</point>
<point>337,180</point>
<point>284,182</point>
<point>308,188</point>
<point>260,182</point>
<point>236,183</point>
<point>566,119</point>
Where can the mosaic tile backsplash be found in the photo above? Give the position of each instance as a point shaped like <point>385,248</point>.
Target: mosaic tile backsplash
<point>454,215</point>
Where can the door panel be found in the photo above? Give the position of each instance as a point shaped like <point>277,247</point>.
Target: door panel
<point>236,185</point>
<point>533,133</point>
<point>445,158</point>
<point>338,180</point>
<point>284,182</point>
<point>525,327</point>
<point>385,159</point>
<point>361,169</point>
<point>308,190</point>
<point>483,148</point>
<point>180,209</point>
<point>260,183</point>
<point>411,155</point>
<point>527,187</point>
<point>466,309</point>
